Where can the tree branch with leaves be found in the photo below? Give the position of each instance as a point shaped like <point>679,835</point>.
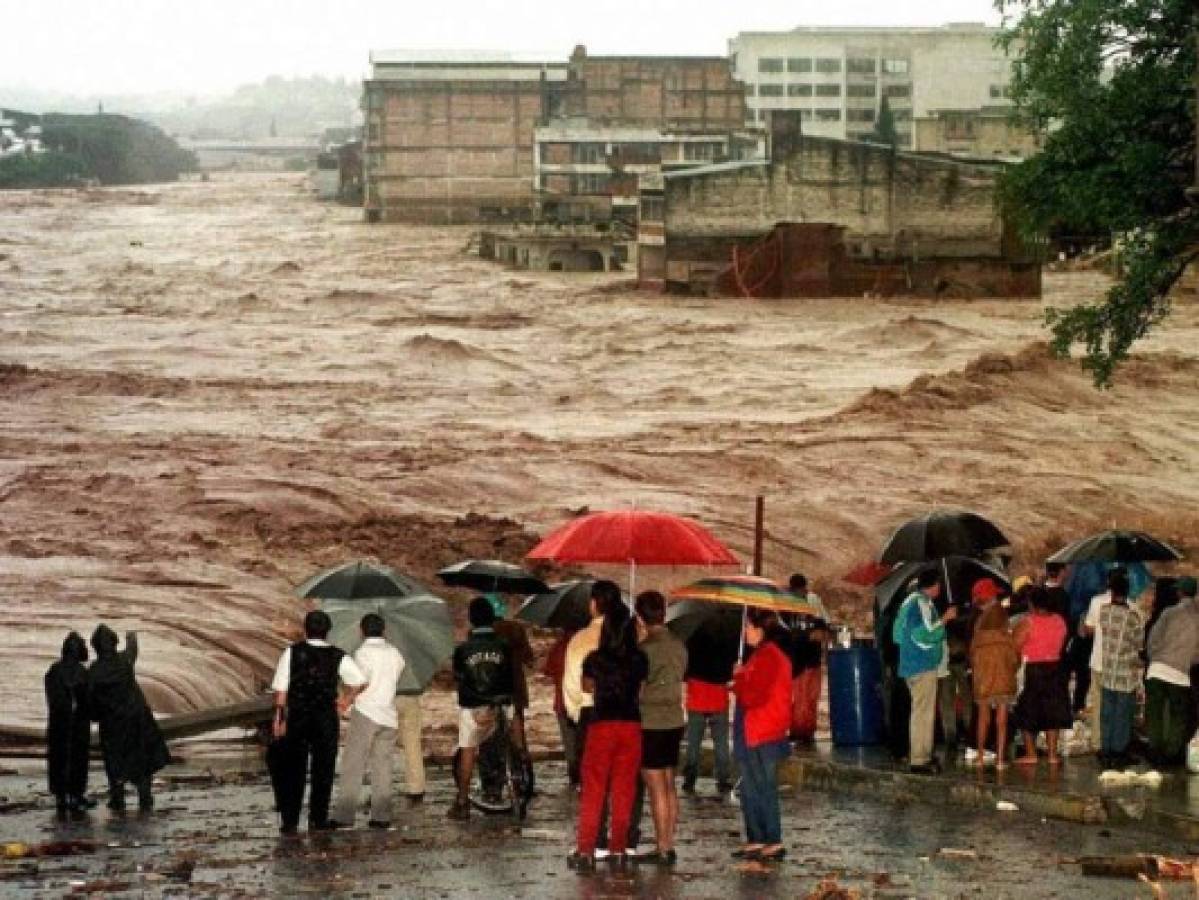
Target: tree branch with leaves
<point>1111,84</point>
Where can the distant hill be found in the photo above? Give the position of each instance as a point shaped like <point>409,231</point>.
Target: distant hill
<point>279,107</point>
<point>111,149</point>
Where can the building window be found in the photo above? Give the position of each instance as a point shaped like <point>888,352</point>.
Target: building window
<point>860,90</point>
<point>770,66</point>
<point>859,65</point>
<point>750,90</point>
<point>799,90</point>
<point>828,115</point>
<point>373,133</point>
<point>897,91</point>
<point>895,66</point>
<point>704,150</point>
<point>591,183</point>
<point>859,115</point>
<point>828,90</point>
<point>828,66</point>
<point>770,90</point>
<point>805,115</point>
<point>901,115</point>
<point>588,154</point>
<point>959,127</point>
<point>799,65</point>
<point>1000,92</point>
<point>653,209</point>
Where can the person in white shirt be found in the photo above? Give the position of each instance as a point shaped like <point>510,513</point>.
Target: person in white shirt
<point>305,726</point>
<point>373,725</point>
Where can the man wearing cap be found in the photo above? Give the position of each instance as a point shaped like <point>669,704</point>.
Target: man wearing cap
<point>1173,649</point>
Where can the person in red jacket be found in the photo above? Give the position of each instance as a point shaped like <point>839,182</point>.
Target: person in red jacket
<point>763,690</point>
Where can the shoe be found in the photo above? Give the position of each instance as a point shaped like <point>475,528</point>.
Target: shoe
<point>62,804</point>
<point>772,856</point>
<point>619,862</point>
<point>379,824</point>
<point>415,799</point>
<point>971,754</point>
<point>658,858</point>
<point>601,853</point>
<point>327,825</point>
<point>459,810</point>
<point>743,853</point>
<point>724,787</point>
<point>580,862</point>
<point>936,766</point>
<point>926,769</point>
<point>288,830</point>
<point>689,787</point>
<point>81,803</point>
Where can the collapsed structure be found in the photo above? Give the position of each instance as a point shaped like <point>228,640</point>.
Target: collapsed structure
<point>825,217</point>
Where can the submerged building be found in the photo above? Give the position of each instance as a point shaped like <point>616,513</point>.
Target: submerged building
<point>469,137</point>
<point>829,217</point>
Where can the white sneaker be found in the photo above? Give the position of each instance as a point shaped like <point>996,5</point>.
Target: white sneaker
<point>971,754</point>
<point>601,853</point>
<point>989,757</point>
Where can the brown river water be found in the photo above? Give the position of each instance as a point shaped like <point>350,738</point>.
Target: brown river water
<point>210,390</point>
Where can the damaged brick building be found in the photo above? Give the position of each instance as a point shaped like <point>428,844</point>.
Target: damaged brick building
<point>828,217</point>
<point>466,137</point>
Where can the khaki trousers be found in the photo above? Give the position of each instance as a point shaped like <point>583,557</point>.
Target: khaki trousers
<point>367,742</point>
<point>1094,704</point>
<point>409,737</point>
<point>923,688</point>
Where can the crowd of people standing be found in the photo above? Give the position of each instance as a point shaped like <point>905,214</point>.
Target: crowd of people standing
<point>1021,655</point>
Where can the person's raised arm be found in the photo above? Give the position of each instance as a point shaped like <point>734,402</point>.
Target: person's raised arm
<point>131,647</point>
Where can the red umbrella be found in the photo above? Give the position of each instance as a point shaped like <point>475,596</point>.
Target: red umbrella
<point>867,574</point>
<point>636,537</point>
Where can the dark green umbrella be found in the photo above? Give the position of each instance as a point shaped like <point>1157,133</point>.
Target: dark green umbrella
<point>420,627</point>
<point>958,573</point>
<point>1117,546</point>
<point>358,580</point>
<point>492,576</point>
<point>566,605</point>
<point>711,631</point>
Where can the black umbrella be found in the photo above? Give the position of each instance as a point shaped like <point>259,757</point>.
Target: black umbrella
<point>1117,546</point>
<point>360,580</point>
<point>941,533</point>
<point>711,631</point>
<point>493,576</point>
<point>958,572</point>
<point>566,605</point>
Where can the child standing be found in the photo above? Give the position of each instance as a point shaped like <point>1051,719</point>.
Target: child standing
<point>994,661</point>
<point>1122,631</point>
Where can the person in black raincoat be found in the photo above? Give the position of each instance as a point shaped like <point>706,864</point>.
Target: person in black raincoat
<point>132,744</point>
<point>68,727</point>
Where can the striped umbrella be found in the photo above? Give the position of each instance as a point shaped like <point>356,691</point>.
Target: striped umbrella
<point>744,591</point>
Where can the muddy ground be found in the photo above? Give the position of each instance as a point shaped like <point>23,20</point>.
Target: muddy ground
<point>217,837</point>
<point>211,390</point>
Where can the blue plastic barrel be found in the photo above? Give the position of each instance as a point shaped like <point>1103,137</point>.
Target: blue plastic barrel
<point>855,695</point>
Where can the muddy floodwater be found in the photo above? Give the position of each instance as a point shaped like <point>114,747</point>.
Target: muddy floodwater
<point>210,390</point>
<point>217,837</point>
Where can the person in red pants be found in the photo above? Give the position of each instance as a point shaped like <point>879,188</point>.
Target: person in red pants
<point>809,634</point>
<point>613,674</point>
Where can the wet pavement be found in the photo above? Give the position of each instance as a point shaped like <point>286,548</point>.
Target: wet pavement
<point>215,835</point>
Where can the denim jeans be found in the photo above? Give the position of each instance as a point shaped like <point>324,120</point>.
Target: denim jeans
<point>1115,720</point>
<point>760,792</point>
<point>719,723</point>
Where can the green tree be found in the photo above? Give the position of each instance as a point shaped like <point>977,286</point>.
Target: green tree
<point>884,127</point>
<point>1111,83</point>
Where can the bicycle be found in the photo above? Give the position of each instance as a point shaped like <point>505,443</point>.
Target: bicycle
<point>517,775</point>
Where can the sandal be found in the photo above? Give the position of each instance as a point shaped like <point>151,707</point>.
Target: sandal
<point>772,856</point>
<point>748,852</point>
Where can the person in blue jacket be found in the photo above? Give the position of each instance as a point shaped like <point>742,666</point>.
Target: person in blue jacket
<point>920,636</point>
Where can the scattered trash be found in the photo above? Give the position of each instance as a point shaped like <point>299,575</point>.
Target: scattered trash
<point>1151,866</point>
<point>21,850</point>
<point>1130,777</point>
<point>1007,806</point>
<point>956,853</point>
<point>829,889</point>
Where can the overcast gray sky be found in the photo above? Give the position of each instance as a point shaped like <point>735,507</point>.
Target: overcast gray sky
<point>207,46</point>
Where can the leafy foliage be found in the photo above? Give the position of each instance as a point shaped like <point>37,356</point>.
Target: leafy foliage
<point>1112,84</point>
<point>884,127</point>
<point>117,149</point>
<point>37,170</point>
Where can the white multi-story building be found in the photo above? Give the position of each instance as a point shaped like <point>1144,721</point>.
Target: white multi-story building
<point>837,77</point>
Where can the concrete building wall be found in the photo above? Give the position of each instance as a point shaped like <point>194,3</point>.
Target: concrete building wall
<point>837,77</point>
<point>889,204</point>
<point>975,134</point>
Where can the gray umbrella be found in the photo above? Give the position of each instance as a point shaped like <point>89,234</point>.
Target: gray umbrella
<point>420,627</point>
<point>566,605</point>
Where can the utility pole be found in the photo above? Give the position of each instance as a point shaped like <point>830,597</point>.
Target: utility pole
<point>759,532</point>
